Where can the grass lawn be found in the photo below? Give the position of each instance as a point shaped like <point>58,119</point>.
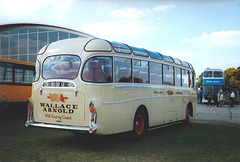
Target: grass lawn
<point>197,142</point>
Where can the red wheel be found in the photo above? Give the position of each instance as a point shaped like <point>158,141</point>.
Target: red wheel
<point>139,124</point>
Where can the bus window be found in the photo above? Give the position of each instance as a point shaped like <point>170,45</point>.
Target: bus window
<point>121,48</point>
<point>8,75</point>
<point>139,52</point>
<point>208,74</point>
<point>177,61</point>
<point>167,58</point>
<point>184,63</point>
<point>61,67</point>
<point>98,70</point>
<point>156,73</point>
<point>168,77</point>
<point>217,74</point>
<point>191,80</point>
<point>28,76</point>
<point>18,75</point>
<point>207,89</point>
<point>178,79</point>
<point>1,73</point>
<point>155,55</point>
<point>217,88</point>
<point>185,78</point>
<point>140,71</point>
<point>122,70</point>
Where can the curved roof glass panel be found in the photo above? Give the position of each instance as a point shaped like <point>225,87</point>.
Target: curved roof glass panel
<point>155,55</point>
<point>184,63</point>
<point>167,58</point>
<point>190,65</point>
<point>121,48</point>
<point>139,52</point>
<point>177,61</point>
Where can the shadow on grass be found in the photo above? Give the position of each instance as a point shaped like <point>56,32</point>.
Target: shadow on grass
<point>109,142</point>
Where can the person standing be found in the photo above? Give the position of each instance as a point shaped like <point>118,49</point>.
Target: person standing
<point>221,99</point>
<point>218,98</point>
<point>214,96</point>
<point>201,92</point>
<point>209,98</point>
<point>232,98</point>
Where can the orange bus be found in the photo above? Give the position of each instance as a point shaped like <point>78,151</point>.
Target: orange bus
<point>15,81</point>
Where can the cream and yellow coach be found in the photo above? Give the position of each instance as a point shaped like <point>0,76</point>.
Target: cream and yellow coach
<point>103,87</point>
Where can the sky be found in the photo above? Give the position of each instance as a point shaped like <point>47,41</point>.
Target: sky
<point>205,33</point>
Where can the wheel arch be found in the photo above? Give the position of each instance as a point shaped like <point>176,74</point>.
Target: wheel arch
<point>144,109</point>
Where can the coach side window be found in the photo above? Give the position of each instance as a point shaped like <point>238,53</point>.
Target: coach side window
<point>98,70</point>
<point>185,78</point>
<point>168,77</point>
<point>178,77</point>
<point>156,73</point>
<point>191,80</point>
<point>140,71</point>
<point>122,70</point>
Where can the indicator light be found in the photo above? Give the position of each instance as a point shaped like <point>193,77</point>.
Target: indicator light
<point>92,110</point>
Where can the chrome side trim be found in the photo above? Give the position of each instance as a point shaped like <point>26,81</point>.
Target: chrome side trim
<point>143,98</point>
<point>165,125</point>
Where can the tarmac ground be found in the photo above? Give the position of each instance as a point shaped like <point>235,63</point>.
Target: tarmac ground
<point>223,114</point>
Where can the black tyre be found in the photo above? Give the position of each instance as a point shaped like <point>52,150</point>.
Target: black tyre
<point>140,124</point>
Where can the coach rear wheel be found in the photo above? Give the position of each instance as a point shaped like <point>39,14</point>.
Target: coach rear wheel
<point>140,124</point>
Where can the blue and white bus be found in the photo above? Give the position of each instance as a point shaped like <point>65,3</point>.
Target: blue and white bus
<point>213,81</point>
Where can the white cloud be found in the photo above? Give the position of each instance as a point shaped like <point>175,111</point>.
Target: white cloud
<point>59,10</point>
<point>132,13</point>
<point>116,29</point>
<point>135,13</point>
<point>57,17</point>
<point>163,7</point>
<point>223,38</point>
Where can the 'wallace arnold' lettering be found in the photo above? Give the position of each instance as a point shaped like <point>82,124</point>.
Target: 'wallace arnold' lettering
<point>59,108</point>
